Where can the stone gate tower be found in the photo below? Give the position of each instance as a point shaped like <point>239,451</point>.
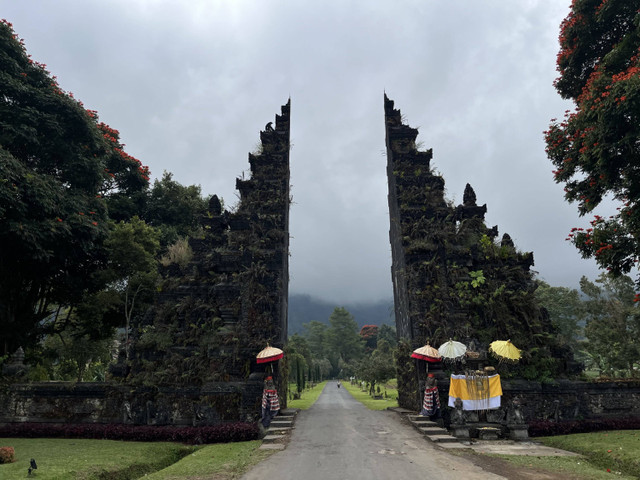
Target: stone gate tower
<point>452,278</point>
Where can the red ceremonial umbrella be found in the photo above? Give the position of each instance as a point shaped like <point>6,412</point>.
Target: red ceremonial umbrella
<point>427,353</point>
<point>269,354</point>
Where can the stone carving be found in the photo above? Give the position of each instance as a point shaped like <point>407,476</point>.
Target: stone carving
<point>514,415</point>
<point>15,367</point>
<point>458,417</point>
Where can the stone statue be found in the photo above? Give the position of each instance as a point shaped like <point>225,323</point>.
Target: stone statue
<point>457,416</point>
<point>515,416</point>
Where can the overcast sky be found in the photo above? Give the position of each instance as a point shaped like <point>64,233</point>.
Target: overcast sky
<point>189,84</point>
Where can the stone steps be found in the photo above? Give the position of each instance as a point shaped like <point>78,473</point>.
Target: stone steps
<point>278,432</point>
<point>431,429</point>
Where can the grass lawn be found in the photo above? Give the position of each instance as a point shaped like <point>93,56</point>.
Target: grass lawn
<point>219,461</point>
<point>307,398</point>
<point>617,451</point>
<point>370,402</point>
<point>61,458</point>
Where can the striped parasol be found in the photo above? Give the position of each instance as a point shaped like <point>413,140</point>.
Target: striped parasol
<point>427,353</point>
<point>269,354</point>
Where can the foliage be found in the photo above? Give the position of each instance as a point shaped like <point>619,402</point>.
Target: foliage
<point>566,310</point>
<point>178,253</point>
<point>225,432</point>
<point>388,334</point>
<point>58,165</point>
<point>70,355</point>
<point>377,367</point>
<point>342,336</point>
<point>613,325</point>
<point>316,337</point>
<point>174,209</point>
<point>595,149</point>
<point>369,334</point>
<point>406,374</point>
<point>7,455</point>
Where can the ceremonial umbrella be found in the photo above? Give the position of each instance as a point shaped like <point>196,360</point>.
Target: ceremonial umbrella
<point>269,354</point>
<point>451,350</point>
<point>505,350</point>
<point>427,353</point>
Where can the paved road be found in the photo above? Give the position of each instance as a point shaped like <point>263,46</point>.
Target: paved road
<point>338,438</point>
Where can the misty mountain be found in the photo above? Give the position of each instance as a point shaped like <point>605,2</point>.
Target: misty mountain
<point>305,308</point>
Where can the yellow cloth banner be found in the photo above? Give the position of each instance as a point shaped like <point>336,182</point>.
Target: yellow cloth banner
<point>458,387</point>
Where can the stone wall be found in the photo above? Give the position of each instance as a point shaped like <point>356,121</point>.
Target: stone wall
<point>67,402</point>
<point>558,401</point>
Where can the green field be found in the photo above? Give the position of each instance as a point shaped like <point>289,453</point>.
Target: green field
<point>74,459</point>
<point>391,400</point>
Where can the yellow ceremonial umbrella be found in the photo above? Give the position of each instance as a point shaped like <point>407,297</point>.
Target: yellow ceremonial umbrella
<point>505,350</point>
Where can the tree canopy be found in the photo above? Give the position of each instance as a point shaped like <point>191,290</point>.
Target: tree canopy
<point>612,325</point>
<point>58,167</point>
<point>596,147</point>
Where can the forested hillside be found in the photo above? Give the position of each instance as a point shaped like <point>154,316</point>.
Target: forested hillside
<point>304,309</point>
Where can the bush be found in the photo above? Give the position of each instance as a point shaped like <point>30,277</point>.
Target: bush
<point>223,433</point>
<point>7,455</point>
<point>547,428</point>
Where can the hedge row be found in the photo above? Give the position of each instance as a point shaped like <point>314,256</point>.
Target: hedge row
<point>226,432</point>
<point>547,428</point>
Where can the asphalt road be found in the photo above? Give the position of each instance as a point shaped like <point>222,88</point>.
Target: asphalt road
<point>338,438</point>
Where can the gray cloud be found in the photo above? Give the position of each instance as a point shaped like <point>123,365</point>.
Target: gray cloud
<point>190,84</point>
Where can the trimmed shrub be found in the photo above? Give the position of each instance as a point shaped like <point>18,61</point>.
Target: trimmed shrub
<point>547,428</point>
<point>7,455</point>
<point>223,433</point>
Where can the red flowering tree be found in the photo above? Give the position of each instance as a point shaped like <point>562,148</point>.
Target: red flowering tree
<point>596,147</point>
<point>369,333</point>
<point>58,167</point>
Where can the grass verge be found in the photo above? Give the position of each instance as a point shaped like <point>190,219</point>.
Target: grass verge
<point>307,398</point>
<point>604,453</point>
<point>220,461</point>
<point>370,402</point>
<point>574,467</point>
<point>61,458</point>
<point>618,451</point>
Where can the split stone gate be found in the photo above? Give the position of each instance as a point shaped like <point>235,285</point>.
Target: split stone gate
<point>192,360</point>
